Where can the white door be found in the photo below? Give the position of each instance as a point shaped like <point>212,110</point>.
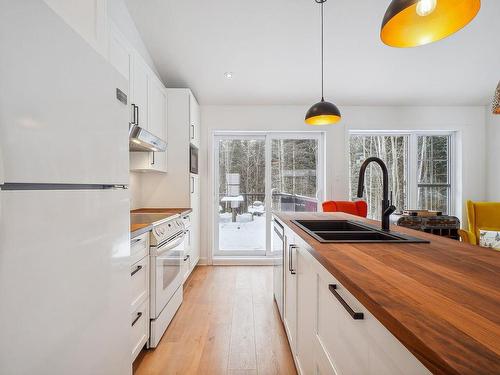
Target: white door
<point>256,173</point>
<point>240,195</point>
<point>60,120</point>
<point>65,282</point>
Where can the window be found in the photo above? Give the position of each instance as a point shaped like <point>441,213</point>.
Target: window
<point>419,166</point>
<point>433,173</point>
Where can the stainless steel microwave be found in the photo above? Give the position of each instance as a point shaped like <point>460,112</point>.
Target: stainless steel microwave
<point>193,159</point>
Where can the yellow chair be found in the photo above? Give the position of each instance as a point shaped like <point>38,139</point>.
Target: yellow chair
<point>480,215</point>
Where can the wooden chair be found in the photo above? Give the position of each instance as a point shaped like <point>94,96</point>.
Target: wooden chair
<point>358,208</point>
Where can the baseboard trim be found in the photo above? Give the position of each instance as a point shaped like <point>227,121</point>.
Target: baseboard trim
<point>243,261</point>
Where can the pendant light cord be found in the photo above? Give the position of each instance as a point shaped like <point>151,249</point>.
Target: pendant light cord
<point>322,2</point>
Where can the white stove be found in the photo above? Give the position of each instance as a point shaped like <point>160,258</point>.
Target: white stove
<point>166,230</point>
<point>167,250</point>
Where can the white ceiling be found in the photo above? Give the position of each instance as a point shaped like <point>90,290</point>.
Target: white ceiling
<point>273,49</point>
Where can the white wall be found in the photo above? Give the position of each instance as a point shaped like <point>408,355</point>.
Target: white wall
<point>492,155</point>
<point>469,122</point>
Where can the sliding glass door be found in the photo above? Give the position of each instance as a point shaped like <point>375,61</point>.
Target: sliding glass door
<point>257,173</point>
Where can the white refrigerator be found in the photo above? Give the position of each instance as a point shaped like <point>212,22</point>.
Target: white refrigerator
<point>64,206</point>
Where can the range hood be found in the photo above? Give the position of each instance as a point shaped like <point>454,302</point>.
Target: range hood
<point>142,140</point>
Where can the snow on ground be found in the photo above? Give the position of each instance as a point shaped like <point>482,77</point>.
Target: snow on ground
<point>244,234</point>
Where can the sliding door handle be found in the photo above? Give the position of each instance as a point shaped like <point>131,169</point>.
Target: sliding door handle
<point>352,313</point>
<point>290,259</point>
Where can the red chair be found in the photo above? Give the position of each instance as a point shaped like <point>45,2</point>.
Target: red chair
<point>358,208</point>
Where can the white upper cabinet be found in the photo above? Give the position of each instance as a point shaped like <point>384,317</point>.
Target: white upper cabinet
<point>194,121</point>
<point>87,17</point>
<point>140,91</point>
<point>120,52</point>
<point>157,109</point>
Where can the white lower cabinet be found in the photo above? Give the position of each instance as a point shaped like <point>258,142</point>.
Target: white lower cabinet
<point>139,274</point>
<point>139,321</point>
<point>139,297</point>
<point>325,337</point>
<point>186,265</point>
<point>306,310</point>
<point>290,306</point>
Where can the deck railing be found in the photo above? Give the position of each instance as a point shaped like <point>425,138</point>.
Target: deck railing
<point>281,202</point>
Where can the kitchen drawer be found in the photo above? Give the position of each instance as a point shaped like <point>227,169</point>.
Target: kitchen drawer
<point>139,273</point>
<point>186,266</point>
<point>357,346</point>
<point>139,247</point>
<point>343,338</point>
<point>322,363</point>
<point>140,328</point>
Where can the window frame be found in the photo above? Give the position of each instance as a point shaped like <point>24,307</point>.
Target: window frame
<point>412,157</point>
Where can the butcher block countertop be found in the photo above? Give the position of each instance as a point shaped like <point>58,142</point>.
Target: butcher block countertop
<point>143,219</point>
<point>440,299</point>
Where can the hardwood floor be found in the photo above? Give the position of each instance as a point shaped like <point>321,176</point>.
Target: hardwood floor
<point>227,324</point>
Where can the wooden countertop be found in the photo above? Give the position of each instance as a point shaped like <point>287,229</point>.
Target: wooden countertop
<point>142,219</point>
<point>441,300</point>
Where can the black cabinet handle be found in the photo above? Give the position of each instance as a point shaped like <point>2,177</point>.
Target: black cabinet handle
<point>133,114</point>
<point>352,313</point>
<point>139,314</point>
<point>186,258</point>
<point>290,260</point>
<point>153,162</point>
<point>136,240</point>
<point>192,127</point>
<point>136,270</point>
<point>137,116</point>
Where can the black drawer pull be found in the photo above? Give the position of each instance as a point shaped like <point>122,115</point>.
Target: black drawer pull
<point>134,241</point>
<point>355,315</point>
<point>187,257</point>
<point>136,270</point>
<point>139,314</point>
<point>290,259</point>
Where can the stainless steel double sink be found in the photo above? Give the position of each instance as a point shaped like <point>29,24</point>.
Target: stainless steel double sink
<point>350,231</point>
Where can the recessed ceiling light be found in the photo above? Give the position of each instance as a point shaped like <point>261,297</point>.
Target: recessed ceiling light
<point>228,75</point>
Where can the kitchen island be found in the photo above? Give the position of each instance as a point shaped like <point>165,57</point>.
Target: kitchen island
<point>441,299</point>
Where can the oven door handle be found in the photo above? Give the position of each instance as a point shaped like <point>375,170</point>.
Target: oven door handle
<point>176,241</point>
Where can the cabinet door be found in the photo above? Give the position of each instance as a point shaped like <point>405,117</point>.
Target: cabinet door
<point>343,338</point>
<point>194,121</point>
<point>120,52</point>
<point>87,18</point>
<point>157,109</point>
<point>140,90</point>
<point>195,219</point>
<point>186,266</point>
<point>158,121</point>
<point>290,313</point>
<point>306,312</point>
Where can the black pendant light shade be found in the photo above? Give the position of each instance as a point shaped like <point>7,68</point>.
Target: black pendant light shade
<point>322,113</point>
<point>412,23</point>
